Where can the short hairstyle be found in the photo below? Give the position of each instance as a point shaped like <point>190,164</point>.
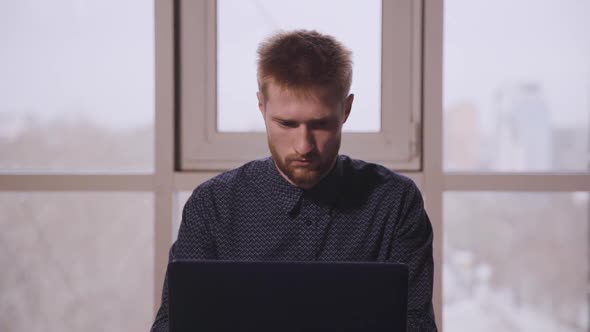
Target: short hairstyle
<point>305,61</point>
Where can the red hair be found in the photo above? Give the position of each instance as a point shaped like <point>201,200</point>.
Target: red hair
<point>305,61</point>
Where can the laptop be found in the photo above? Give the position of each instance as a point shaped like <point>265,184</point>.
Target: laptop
<point>226,296</point>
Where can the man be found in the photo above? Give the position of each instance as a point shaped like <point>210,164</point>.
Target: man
<point>307,203</point>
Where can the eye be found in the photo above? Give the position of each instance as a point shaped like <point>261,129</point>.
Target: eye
<point>322,124</point>
<point>287,124</point>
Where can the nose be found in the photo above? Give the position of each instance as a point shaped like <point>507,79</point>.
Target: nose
<point>305,141</point>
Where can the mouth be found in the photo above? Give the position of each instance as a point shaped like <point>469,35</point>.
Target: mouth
<point>302,162</point>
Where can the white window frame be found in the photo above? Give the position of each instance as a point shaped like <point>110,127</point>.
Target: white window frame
<point>202,147</point>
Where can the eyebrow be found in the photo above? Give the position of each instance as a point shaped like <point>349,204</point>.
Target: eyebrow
<point>322,119</point>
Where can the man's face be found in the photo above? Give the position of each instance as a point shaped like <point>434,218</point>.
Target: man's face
<point>303,132</point>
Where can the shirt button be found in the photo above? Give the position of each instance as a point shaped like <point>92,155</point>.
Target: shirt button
<point>308,222</point>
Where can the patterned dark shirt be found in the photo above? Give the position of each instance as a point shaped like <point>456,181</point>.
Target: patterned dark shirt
<point>358,212</point>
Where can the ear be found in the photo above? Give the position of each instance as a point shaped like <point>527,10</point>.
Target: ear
<point>261,102</point>
<point>348,106</point>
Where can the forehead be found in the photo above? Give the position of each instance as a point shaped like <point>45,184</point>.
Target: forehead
<point>309,102</point>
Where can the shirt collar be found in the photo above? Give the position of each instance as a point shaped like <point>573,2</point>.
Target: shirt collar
<point>281,191</point>
<point>288,196</point>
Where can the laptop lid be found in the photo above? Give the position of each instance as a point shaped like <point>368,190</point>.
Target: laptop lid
<point>286,296</point>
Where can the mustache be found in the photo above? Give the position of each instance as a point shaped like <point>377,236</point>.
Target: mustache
<point>312,156</point>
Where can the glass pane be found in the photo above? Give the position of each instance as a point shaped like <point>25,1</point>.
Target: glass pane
<point>179,201</point>
<point>243,24</point>
<point>76,261</point>
<point>77,85</point>
<point>516,262</point>
<point>517,85</point>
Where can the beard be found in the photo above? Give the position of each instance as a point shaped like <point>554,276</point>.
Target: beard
<point>304,176</point>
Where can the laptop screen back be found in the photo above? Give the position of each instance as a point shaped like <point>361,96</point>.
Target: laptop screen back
<point>286,296</point>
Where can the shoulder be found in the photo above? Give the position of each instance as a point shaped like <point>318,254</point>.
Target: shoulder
<point>362,174</point>
<point>232,181</point>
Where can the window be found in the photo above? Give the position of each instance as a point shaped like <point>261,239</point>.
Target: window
<point>236,83</point>
<point>517,90</point>
<point>516,261</point>
<point>76,261</point>
<point>516,183</point>
<point>77,94</point>
<point>214,137</point>
<point>76,166</point>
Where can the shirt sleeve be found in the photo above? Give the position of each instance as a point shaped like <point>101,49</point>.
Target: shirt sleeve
<point>194,242</point>
<point>412,245</point>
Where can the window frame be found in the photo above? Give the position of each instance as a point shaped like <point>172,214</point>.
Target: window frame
<point>202,147</point>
